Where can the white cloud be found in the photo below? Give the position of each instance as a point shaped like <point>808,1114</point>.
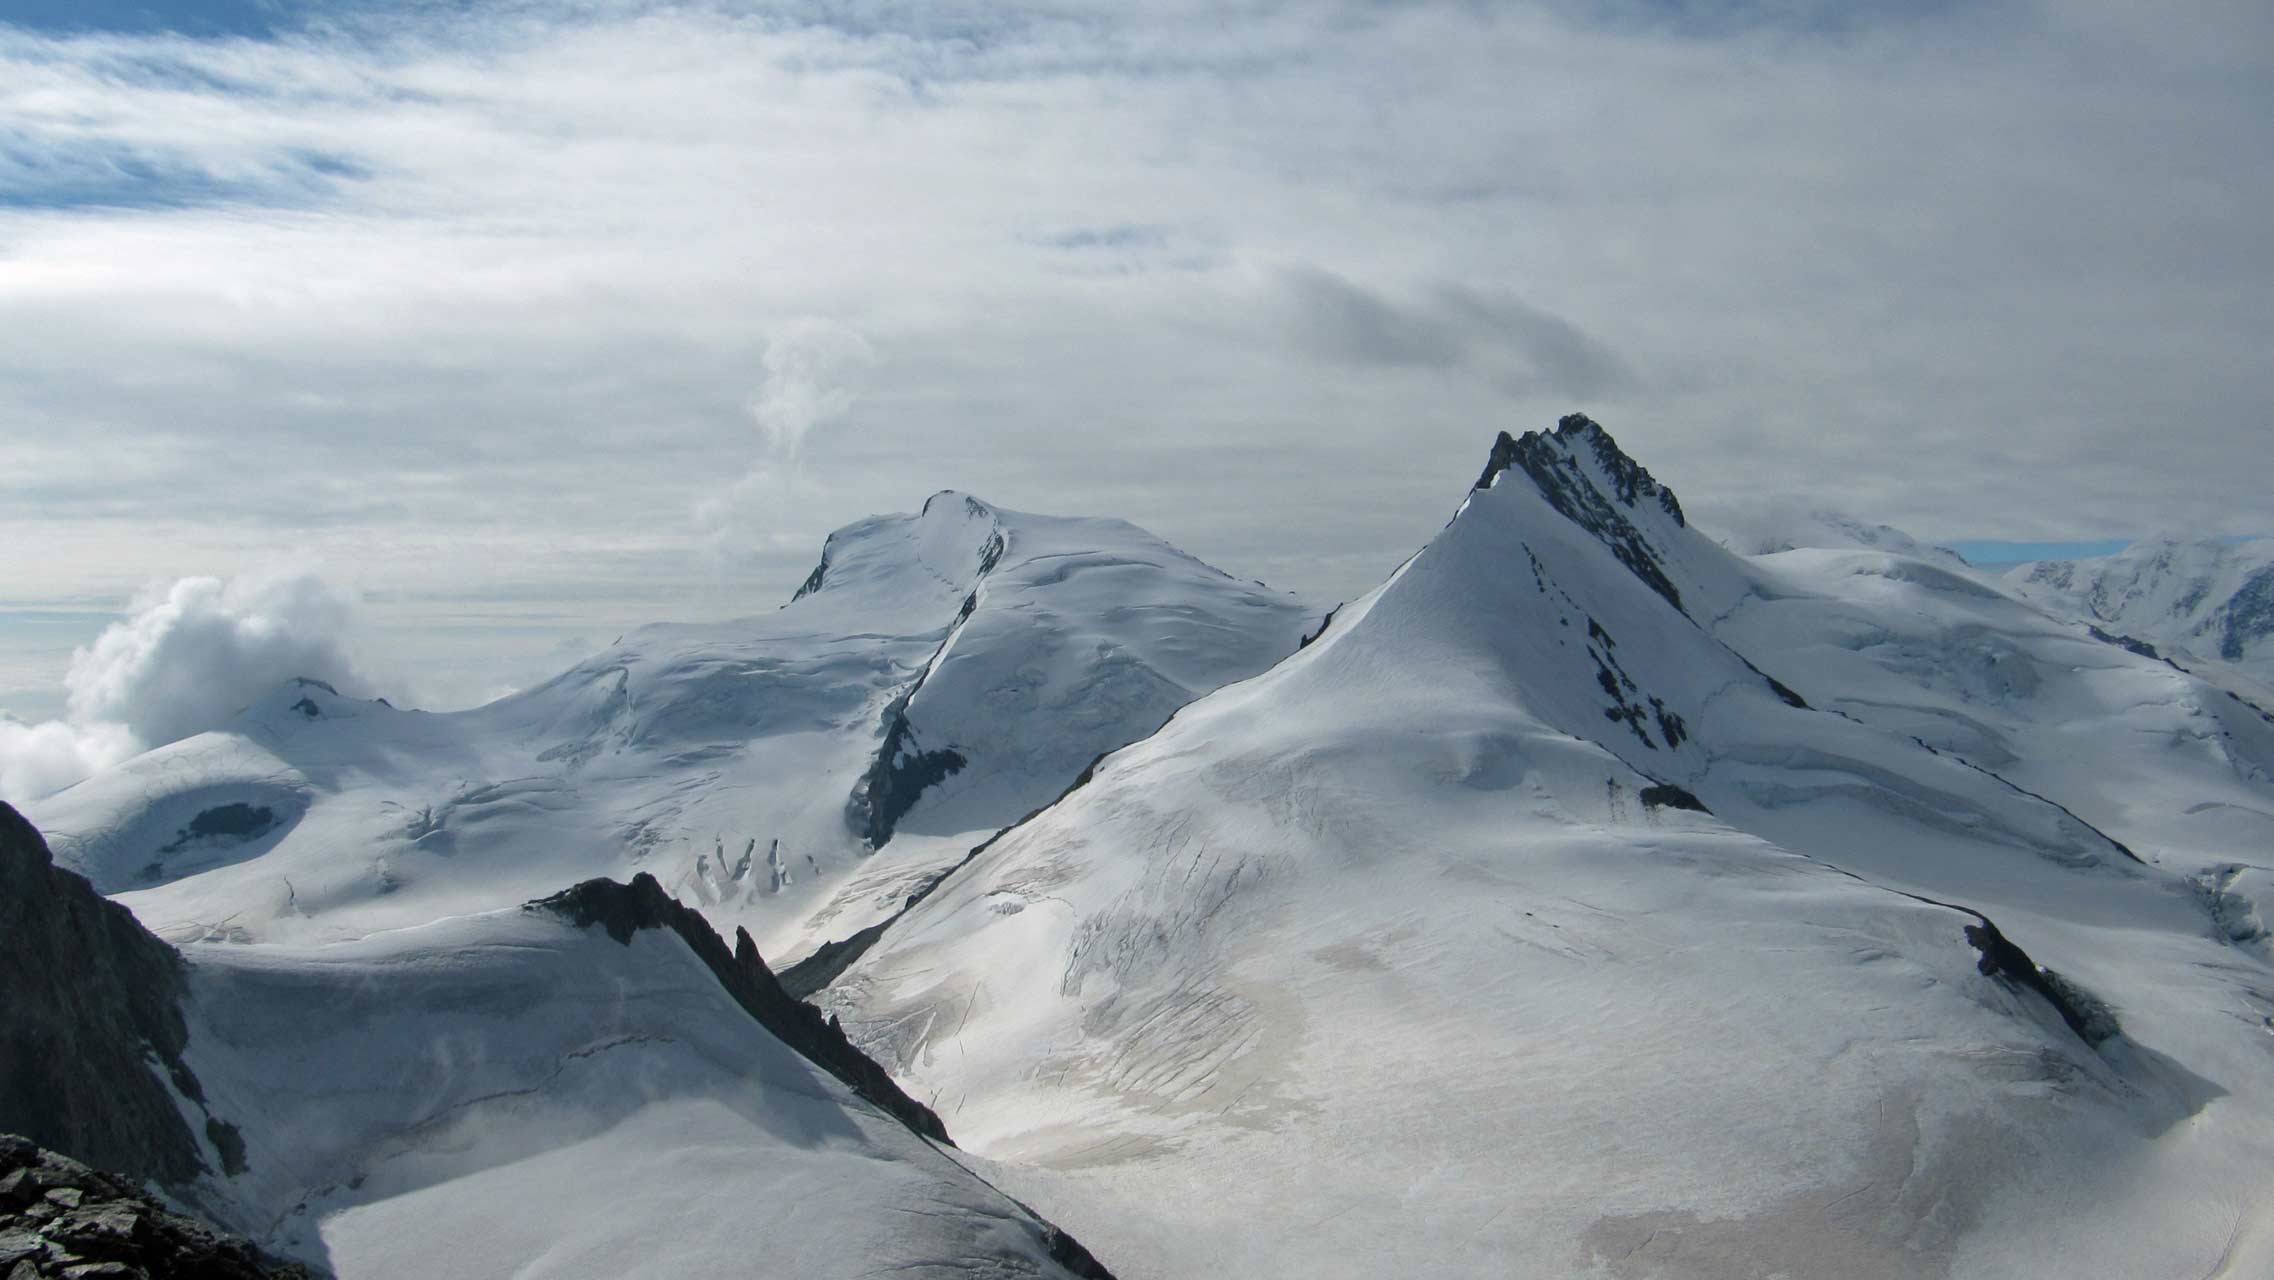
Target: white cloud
<point>199,651</point>
<point>40,759</point>
<point>186,658</point>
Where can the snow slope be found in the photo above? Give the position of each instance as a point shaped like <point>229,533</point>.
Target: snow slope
<point>2198,598</point>
<point>939,675</point>
<point>2169,760</point>
<point>508,1094</point>
<point>1526,925</point>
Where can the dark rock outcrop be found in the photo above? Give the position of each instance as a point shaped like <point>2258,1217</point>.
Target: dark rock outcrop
<point>898,776</point>
<point>1665,795</point>
<point>234,822</point>
<point>815,580</point>
<point>1068,1252</point>
<point>625,909</point>
<point>2094,1022</point>
<point>2127,643</point>
<point>59,1218</point>
<point>91,1018</point>
<point>832,958</point>
<point>902,771</point>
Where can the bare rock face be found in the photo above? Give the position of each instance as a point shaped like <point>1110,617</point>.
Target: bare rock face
<point>91,1033</point>
<point>59,1218</point>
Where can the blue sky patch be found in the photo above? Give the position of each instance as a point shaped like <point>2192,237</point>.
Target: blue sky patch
<point>1990,552</point>
<point>202,18</point>
<point>113,177</point>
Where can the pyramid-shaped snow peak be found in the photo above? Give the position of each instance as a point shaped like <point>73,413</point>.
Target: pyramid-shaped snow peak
<point>1521,922</point>
<point>1582,473</point>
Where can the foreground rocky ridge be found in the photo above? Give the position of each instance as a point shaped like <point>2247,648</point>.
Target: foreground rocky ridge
<point>61,1220</point>
<point>91,1031</point>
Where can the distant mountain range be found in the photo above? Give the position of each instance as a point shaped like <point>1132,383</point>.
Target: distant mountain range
<point>2202,599</point>
<point>1592,897</point>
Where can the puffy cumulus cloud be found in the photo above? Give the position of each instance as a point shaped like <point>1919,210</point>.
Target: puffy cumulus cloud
<point>200,650</point>
<point>185,658</point>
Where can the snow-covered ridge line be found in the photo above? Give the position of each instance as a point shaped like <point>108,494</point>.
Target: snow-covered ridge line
<point>623,910</point>
<point>1596,500</point>
<point>1511,916</point>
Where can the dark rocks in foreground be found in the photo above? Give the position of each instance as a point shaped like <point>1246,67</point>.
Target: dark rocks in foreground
<point>61,1219</point>
<point>91,1020</point>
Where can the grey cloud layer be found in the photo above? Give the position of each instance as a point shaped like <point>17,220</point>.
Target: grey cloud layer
<point>470,302</point>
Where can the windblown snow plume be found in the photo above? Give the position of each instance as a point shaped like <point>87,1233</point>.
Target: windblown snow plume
<point>184,659</point>
<point>810,365</point>
<point>810,377</point>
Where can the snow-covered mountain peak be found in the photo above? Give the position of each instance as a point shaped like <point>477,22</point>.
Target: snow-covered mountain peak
<point>1392,910</point>
<point>1524,920</point>
<point>941,551</point>
<point>1577,441</point>
<point>306,698</point>
<point>972,505</point>
<point>1583,474</point>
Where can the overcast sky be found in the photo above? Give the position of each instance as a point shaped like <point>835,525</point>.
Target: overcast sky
<point>527,323</point>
